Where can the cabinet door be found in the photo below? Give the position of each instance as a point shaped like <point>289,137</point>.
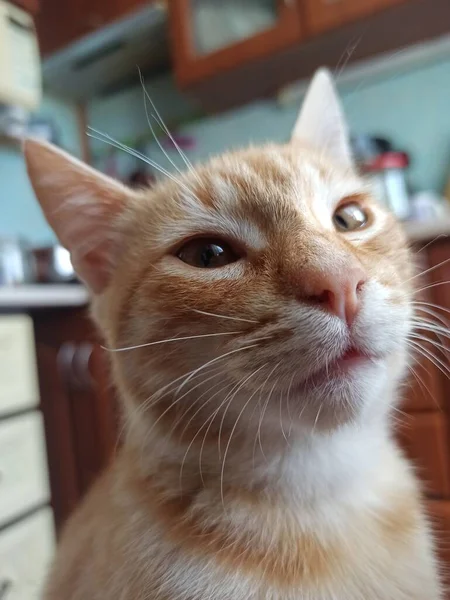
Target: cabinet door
<point>78,404</point>
<point>31,6</point>
<point>62,22</point>
<point>424,437</point>
<point>439,276</point>
<point>210,36</point>
<point>56,407</point>
<point>322,15</point>
<point>94,421</point>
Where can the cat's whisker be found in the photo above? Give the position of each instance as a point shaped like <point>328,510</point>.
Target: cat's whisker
<point>431,285</point>
<point>208,400</point>
<point>345,57</point>
<point>179,398</point>
<point>175,339</point>
<point>192,405</point>
<point>208,422</point>
<point>233,429</point>
<point>444,349</point>
<point>160,121</point>
<point>429,270</point>
<point>439,318</point>
<point>432,326</point>
<point>288,405</point>
<point>280,411</point>
<point>210,314</point>
<point>233,394</point>
<point>423,385</point>
<point>107,139</point>
<point>424,324</point>
<point>214,360</point>
<point>437,306</point>
<point>431,357</point>
<point>441,235</point>
<point>161,147</point>
<point>167,389</point>
<point>263,412</point>
<point>438,322</point>
<point>142,407</point>
<point>317,417</point>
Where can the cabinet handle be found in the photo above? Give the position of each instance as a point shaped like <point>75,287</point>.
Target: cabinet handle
<point>64,361</point>
<point>5,586</point>
<point>81,368</point>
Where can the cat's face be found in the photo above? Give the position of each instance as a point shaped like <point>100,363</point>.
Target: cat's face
<point>267,282</point>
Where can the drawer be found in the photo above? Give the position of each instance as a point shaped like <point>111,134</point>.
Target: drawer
<point>423,436</point>
<point>18,376</point>
<point>439,516</point>
<point>26,551</point>
<point>23,465</point>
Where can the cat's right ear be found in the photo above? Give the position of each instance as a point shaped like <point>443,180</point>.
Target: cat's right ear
<point>321,122</point>
<point>82,207</point>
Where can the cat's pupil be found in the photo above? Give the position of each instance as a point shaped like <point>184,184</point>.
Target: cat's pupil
<point>209,253</point>
<point>341,221</point>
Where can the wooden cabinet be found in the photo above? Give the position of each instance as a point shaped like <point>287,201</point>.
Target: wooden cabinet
<point>221,66</point>
<point>77,402</point>
<point>60,23</point>
<point>424,437</point>
<point>424,431</point>
<point>31,6</point>
<point>211,36</point>
<point>439,516</point>
<point>322,15</point>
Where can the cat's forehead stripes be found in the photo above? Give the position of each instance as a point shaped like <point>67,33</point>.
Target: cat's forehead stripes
<point>258,192</point>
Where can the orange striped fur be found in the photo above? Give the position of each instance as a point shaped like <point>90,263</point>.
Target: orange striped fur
<point>251,467</point>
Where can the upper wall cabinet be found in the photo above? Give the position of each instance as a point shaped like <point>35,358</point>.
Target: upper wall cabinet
<point>31,6</point>
<point>213,36</point>
<point>323,15</point>
<point>229,53</point>
<point>62,22</point>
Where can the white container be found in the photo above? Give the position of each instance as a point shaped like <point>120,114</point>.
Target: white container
<point>20,68</point>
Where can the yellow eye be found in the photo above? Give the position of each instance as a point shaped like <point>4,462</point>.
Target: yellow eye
<point>207,253</point>
<point>349,217</point>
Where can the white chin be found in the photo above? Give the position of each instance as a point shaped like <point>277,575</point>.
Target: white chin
<point>347,395</point>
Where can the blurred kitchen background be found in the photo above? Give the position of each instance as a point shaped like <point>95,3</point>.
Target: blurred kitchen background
<point>220,74</point>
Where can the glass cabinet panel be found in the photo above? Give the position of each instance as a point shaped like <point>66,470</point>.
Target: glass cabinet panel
<point>216,24</point>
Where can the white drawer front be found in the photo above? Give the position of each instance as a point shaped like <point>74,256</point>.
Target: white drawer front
<point>23,465</point>
<point>18,377</point>
<point>26,551</point>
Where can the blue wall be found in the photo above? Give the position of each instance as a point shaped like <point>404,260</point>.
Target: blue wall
<point>412,108</point>
<point>20,214</point>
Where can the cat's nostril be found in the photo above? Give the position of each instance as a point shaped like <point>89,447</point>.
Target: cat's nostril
<point>338,293</point>
<point>360,285</point>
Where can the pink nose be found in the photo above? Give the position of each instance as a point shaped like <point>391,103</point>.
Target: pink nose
<point>337,292</point>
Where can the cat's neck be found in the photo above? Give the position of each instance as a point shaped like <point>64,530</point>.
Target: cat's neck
<point>309,466</point>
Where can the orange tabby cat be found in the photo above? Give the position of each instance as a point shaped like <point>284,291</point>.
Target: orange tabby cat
<point>258,309</point>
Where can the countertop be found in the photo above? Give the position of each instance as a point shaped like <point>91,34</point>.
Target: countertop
<point>43,296</point>
<point>427,231</point>
<point>59,295</point>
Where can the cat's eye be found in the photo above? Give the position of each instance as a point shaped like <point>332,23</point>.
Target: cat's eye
<point>207,253</point>
<point>349,217</point>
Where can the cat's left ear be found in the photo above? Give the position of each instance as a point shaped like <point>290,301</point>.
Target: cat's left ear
<point>82,206</point>
<point>321,122</point>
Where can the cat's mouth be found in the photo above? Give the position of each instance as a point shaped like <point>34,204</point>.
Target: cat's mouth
<point>341,367</point>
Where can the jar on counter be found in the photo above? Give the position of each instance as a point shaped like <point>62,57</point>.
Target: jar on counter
<point>387,173</point>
